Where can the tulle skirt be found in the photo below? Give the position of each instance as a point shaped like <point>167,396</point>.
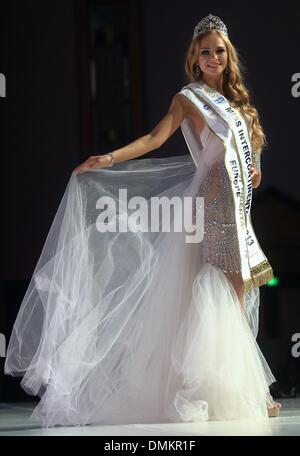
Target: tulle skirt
<point>126,326</point>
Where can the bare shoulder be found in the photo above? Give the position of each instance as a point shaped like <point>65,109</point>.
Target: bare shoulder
<point>190,110</point>
<point>179,107</point>
<point>182,101</point>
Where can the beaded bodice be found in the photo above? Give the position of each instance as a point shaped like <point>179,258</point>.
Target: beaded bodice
<point>220,245</point>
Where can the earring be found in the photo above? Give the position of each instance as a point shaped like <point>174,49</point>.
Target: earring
<point>197,71</point>
<point>226,70</point>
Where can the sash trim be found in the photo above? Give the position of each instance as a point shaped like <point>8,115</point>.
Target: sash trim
<point>262,273</point>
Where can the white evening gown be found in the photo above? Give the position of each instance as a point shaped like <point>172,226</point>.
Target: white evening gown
<point>140,327</point>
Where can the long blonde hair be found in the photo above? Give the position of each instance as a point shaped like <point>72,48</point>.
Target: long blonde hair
<point>233,85</point>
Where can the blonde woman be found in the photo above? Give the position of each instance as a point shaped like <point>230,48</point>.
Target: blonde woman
<point>130,327</point>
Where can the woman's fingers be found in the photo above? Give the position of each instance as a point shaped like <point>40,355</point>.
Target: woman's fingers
<point>254,171</point>
<point>85,166</point>
<point>255,177</point>
<point>93,162</point>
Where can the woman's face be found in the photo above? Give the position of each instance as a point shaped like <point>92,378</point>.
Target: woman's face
<point>212,55</point>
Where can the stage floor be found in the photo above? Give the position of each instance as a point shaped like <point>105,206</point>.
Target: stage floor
<point>14,421</point>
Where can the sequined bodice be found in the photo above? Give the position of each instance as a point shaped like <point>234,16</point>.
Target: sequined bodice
<point>220,236</point>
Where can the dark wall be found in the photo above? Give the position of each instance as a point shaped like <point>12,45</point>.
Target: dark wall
<point>39,122</point>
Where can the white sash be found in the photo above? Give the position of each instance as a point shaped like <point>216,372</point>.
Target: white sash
<point>231,128</point>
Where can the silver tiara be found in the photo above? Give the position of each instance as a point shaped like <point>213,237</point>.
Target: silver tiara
<point>210,22</point>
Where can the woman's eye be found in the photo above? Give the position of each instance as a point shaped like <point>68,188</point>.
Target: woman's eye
<point>206,52</point>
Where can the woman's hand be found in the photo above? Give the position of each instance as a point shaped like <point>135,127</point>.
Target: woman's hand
<point>255,176</point>
<point>95,161</point>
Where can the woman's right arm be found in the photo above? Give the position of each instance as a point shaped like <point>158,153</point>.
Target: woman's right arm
<point>145,144</point>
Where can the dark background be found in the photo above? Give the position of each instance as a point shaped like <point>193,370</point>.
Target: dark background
<point>87,77</point>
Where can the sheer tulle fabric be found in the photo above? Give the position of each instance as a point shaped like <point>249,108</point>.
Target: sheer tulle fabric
<point>134,327</point>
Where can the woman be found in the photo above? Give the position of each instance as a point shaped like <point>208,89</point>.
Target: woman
<point>137,325</point>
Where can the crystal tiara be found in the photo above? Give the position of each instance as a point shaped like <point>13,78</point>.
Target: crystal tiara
<point>210,22</point>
